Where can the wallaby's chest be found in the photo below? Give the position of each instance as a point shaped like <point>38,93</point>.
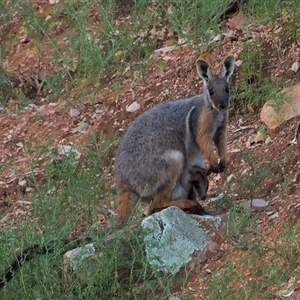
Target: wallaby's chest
<point>218,123</point>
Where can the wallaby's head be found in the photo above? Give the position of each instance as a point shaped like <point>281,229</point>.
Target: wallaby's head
<point>216,90</point>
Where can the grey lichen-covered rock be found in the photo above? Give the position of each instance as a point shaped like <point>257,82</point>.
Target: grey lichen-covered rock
<point>171,237</point>
<point>76,257</point>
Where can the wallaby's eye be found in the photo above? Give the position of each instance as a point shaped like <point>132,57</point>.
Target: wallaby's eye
<point>226,90</point>
<point>211,92</point>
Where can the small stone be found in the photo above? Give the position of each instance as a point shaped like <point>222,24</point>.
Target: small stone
<point>67,149</point>
<point>295,66</point>
<point>20,145</point>
<point>22,183</point>
<point>274,216</point>
<point>230,178</point>
<point>238,63</point>
<point>24,39</point>
<point>164,50</point>
<point>74,113</point>
<point>218,199</point>
<point>259,138</point>
<point>133,107</point>
<point>257,205</point>
<point>75,258</point>
<point>80,128</point>
<point>235,150</point>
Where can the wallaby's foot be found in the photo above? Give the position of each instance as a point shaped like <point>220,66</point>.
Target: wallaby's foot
<point>196,209</point>
<point>213,169</point>
<point>219,168</point>
<point>185,204</point>
<point>222,166</point>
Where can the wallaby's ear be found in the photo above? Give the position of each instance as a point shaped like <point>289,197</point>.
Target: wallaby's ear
<point>203,70</point>
<point>228,67</point>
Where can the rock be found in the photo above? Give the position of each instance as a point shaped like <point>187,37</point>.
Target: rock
<point>25,39</point>
<point>20,145</point>
<point>67,150</point>
<point>80,128</point>
<point>22,183</point>
<point>238,63</point>
<point>257,205</point>
<point>164,50</point>
<point>274,216</point>
<point>171,238</point>
<point>133,107</point>
<point>74,258</point>
<point>217,200</point>
<point>295,66</point>
<point>230,178</point>
<point>75,262</point>
<point>54,1</point>
<point>74,113</point>
<point>289,109</point>
<point>259,138</point>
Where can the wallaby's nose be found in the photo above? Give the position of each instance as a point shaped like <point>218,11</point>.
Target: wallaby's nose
<point>203,197</point>
<point>222,106</point>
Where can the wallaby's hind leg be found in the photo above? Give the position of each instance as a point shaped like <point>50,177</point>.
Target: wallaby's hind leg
<point>125,203</point>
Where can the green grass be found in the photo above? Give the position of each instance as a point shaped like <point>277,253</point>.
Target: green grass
<point>260,271</point>
<point>67,202</point>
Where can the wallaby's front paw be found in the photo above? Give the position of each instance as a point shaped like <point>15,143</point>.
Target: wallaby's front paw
<point>222,166</point>
<point>213,169</point>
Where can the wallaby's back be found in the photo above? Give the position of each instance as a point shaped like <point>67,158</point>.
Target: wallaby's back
<point>140,158</point>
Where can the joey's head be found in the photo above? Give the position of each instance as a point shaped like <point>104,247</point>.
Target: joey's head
<point>199,181</point>
<point>216,89</point>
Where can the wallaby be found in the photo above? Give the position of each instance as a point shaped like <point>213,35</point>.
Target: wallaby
<point>199,184</point>
<point>159,149</point>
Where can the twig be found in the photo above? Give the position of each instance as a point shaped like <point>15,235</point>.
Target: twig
<point>241,128</point>
<point>294,141</point>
